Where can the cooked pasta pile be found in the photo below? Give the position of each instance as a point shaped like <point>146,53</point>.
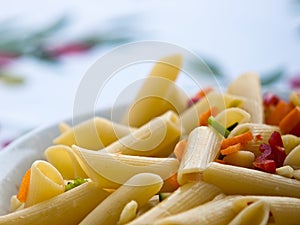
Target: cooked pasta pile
<point>218,158</point>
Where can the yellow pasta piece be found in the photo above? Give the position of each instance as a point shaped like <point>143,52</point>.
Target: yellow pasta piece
<point>233,115</point>
<point>248,85</point>
<point>156,138</point>
<point>240,158</point>
<point>93,134</point>
<point>68,208</point>
<point>218,212</point>
<point>239,180</point>
<point>45,183</point>
<point>293,158</point>
<point>184,198</point>
<point>260,132</point>
<point>159,93</point>
<point>190,117</point>
<point>64,127</point>
<point>63,159</point>
<point>128,213</point>
<point>203,147</point>
<point>289,142</point>
<point>257,213</point>
<point>112,170</point>
<point>139,188</point>
<point>296,174</point>
<point>285,171</point>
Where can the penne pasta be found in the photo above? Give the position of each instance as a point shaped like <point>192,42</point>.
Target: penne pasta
<point>157,93</point>
<point>230,116</point>
<point>139,188</point>
<point>257,213</point>
<point>254,182</point>
<point>93,134</point>
<point>203,147</point>
<point>218,212</point>
<point>248,86</point>
<point>68,208</point>
<point>128,213</point>
<point>156,138</point>
<point>261,132</point>
<point>112,170</point>
<point>45,183</point>
<point>293,158</point>
<point>190,117</point>
<point>63,159</point>
<point>289,142</point>
<point>184,198</point>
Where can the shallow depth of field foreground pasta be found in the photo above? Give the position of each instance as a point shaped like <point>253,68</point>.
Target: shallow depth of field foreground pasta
<point>213,158</point>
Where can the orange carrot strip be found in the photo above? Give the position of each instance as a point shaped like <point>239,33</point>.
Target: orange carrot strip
<point>231,149</point>
<point>242,139</point>
<point>203,118</point>
<point>290,120</point>
<point>279,112</point>
<point>203,92</point>
<point>170,184</point>
<point>180,149</point>
<point>23,190</point>
<point>220,161</point>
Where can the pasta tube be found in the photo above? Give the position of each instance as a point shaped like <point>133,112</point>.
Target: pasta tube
<point>256,213</point>
<point>157,94</point>
<point>248,85</point>
<point>238,180</point>
<point>156,138</point>
<point>68,208</point>
<point>93,134</point>
<point>63,159</point>
<point>190,117</point>
<point>233,115</point>
<point>293,158</point>
<point>203,146</point>
<point>184,198</point>
<point>289,142</point>
<point>218,212</point>
<point>112,170</point>
<point>128,213</point>
<point>140,188</point>
<point>45,183</point>
<point>262,131</point>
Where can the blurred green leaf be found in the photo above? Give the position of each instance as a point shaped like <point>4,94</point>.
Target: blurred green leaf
<point>11,79</point>
<point>206,67</point>
<point>272,77</point>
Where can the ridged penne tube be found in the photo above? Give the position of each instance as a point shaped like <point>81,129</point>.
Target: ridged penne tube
<point>140,188</point>
<point>240,158</point>
<point>284,210</point>
<point>190,117</point>
<point>260,132</point>
<point>184,198</point>
<point>68,208</point>
<point>45,183</point>
<point>248,85</point>
<point>93,134</point>
<point>112,170</point>
<point>63,159</point>
<point>157,93</point>
<point>218,212</point>
<point>239,180</point>
<point>293,158</point>
<point>257,213</point>
<point>203,146</point>
<point>233,115</point>
<point>156,138</point>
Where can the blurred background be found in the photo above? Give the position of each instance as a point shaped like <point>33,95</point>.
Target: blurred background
<point>47,46</point>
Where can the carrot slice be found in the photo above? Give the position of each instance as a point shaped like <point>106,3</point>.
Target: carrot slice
<point>290,120</point>
<point>203,92</point>
<point>242,139</point>
<point>170,184</point>
<point>23,190</point>
<point>180,149</point>
<point>203,118</point>
<point>231,149</point>
<point>279,112</point>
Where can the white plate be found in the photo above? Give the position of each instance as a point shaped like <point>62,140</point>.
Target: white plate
<point>16,158</point>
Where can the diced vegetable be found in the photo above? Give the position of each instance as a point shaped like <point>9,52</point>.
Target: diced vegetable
<point>217,126</point>
<point>23,190</point>
<point>242,138</point>
<point>290,124</point>
<point>231,149</point>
